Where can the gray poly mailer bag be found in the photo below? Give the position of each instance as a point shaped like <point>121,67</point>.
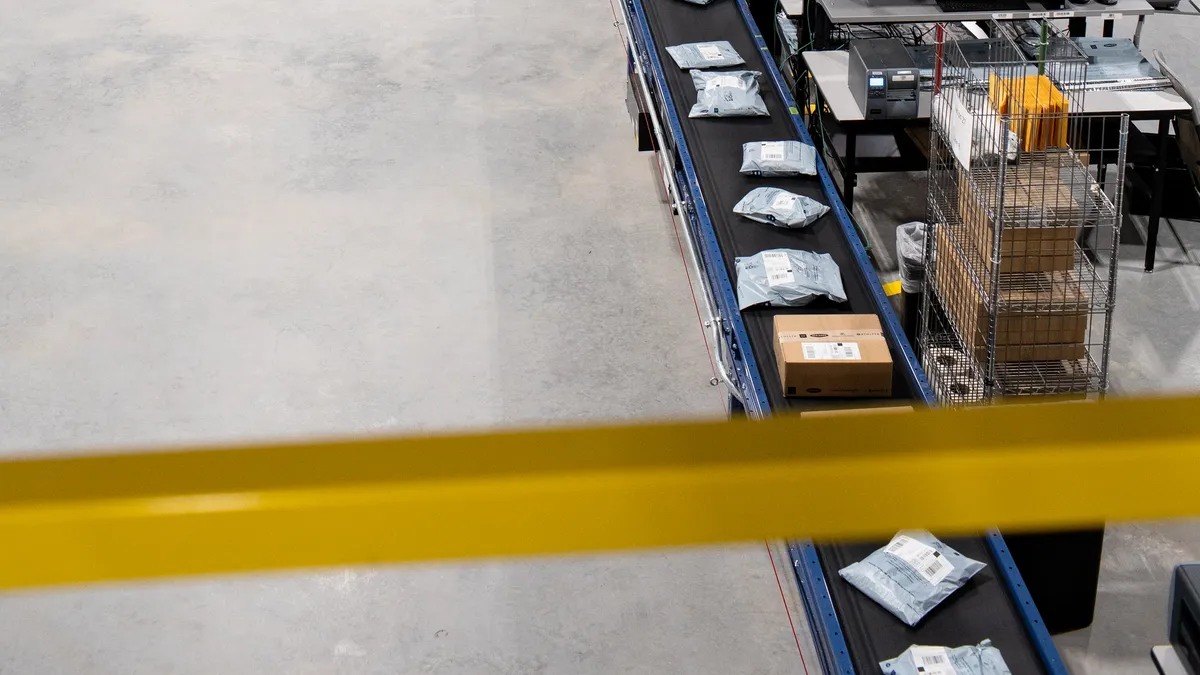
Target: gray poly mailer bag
<point>787,278</point>
<point>719,54</point>
<point>778,158</point>
<point>911,575</point>
<point>779,207</point>
<point>731,93</point>
<point>980,659</point>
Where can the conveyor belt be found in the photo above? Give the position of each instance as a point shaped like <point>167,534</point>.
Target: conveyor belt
<point>981,609</point>
<point>716,148</point>
<point>984,608</point>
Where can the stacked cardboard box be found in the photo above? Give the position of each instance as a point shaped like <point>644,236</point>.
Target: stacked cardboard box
<point>1041,217</point>
<point>1042,303</point>
<point>1040,316</point>
<point>1056,380</point>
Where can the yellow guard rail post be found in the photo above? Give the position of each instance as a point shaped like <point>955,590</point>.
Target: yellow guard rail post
<point>96,518</point>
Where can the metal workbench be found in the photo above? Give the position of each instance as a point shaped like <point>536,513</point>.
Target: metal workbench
<point>700,160</point>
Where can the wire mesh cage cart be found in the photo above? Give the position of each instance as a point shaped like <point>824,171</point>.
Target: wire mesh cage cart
<point>1021,277</point>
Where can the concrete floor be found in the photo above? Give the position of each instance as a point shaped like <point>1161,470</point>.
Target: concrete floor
<point>229,221</point>
<point>240,220</point>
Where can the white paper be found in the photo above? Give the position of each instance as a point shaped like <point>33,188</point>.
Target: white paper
<point>959,126</point>
<point>831,351</point>
<point>924,559</point>
<point>932,660</point>
<point>779,268</point>
<point>772,151</point>
<point>784,201</point>
<point>725,81</point>
<point>709,52</point>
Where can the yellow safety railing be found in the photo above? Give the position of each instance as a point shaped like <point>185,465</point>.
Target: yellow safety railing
<point>95,518</point>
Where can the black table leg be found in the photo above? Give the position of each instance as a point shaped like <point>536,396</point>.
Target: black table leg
<point>1108,28</point>
<point>814,119</point>
<point>1156,197</point>
<point>849,178</point>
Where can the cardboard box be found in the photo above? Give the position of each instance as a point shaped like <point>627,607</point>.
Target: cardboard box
<point>1042,216</point>
<point>1058,381</point>
<point>832,355</point>
<point>883,409</point>
<point>1045,317</point>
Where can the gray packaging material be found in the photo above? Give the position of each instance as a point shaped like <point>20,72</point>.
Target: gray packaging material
<point>719,54</point>
<point>700,2</point>
<point>786,278</point>
<point>911,575</point>
<point>730,93</point>
<point>910,252</point>
<point>778,158</point>
<point>779,207</point>
<point>980,659</point>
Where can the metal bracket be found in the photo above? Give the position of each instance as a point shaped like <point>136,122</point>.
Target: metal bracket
<point>723,371</point>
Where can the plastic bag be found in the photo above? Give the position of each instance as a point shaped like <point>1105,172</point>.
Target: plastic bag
<point>787,278</point>
<point>779,207</point>
<point>719,54</point>
<point>981,659</point>
<point>730,93</point>
<point>778,158</point>
<point>911,575</point>
<point>910,254</point>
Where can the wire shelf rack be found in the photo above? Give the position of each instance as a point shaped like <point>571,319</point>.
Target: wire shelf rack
<point>1025,221</point>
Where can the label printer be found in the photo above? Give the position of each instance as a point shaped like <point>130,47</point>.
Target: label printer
<point>884,79</point>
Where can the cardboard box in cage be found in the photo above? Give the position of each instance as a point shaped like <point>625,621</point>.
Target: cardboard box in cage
<point>1042,214</point>
<point>1054,381</point>
<point>1042,316</point>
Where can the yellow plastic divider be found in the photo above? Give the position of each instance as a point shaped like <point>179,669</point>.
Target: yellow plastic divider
<point>88,519</point>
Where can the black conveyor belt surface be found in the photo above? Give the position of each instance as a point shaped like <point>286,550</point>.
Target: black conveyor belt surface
<point>716,149</point>
<point>982,609</point>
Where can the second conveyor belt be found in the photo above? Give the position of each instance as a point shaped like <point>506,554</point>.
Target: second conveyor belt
<point>865,633</point>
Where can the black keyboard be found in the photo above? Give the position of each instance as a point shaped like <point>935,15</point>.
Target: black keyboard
<point>983,5</point>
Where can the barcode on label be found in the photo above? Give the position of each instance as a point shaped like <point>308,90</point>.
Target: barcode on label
<point>1111,15</point>
<point>725,81</point>
<point>784,202</point>
<point>709,52</point>
<point>1001,16</point>
<point>778,267</point>
<point>772,151</point>
<point>1039,15</point>
<point>925,560</point>
<point>933,568</point>
<point>932,661</point>
<point>831,351</point>
<point>1063,15</point>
